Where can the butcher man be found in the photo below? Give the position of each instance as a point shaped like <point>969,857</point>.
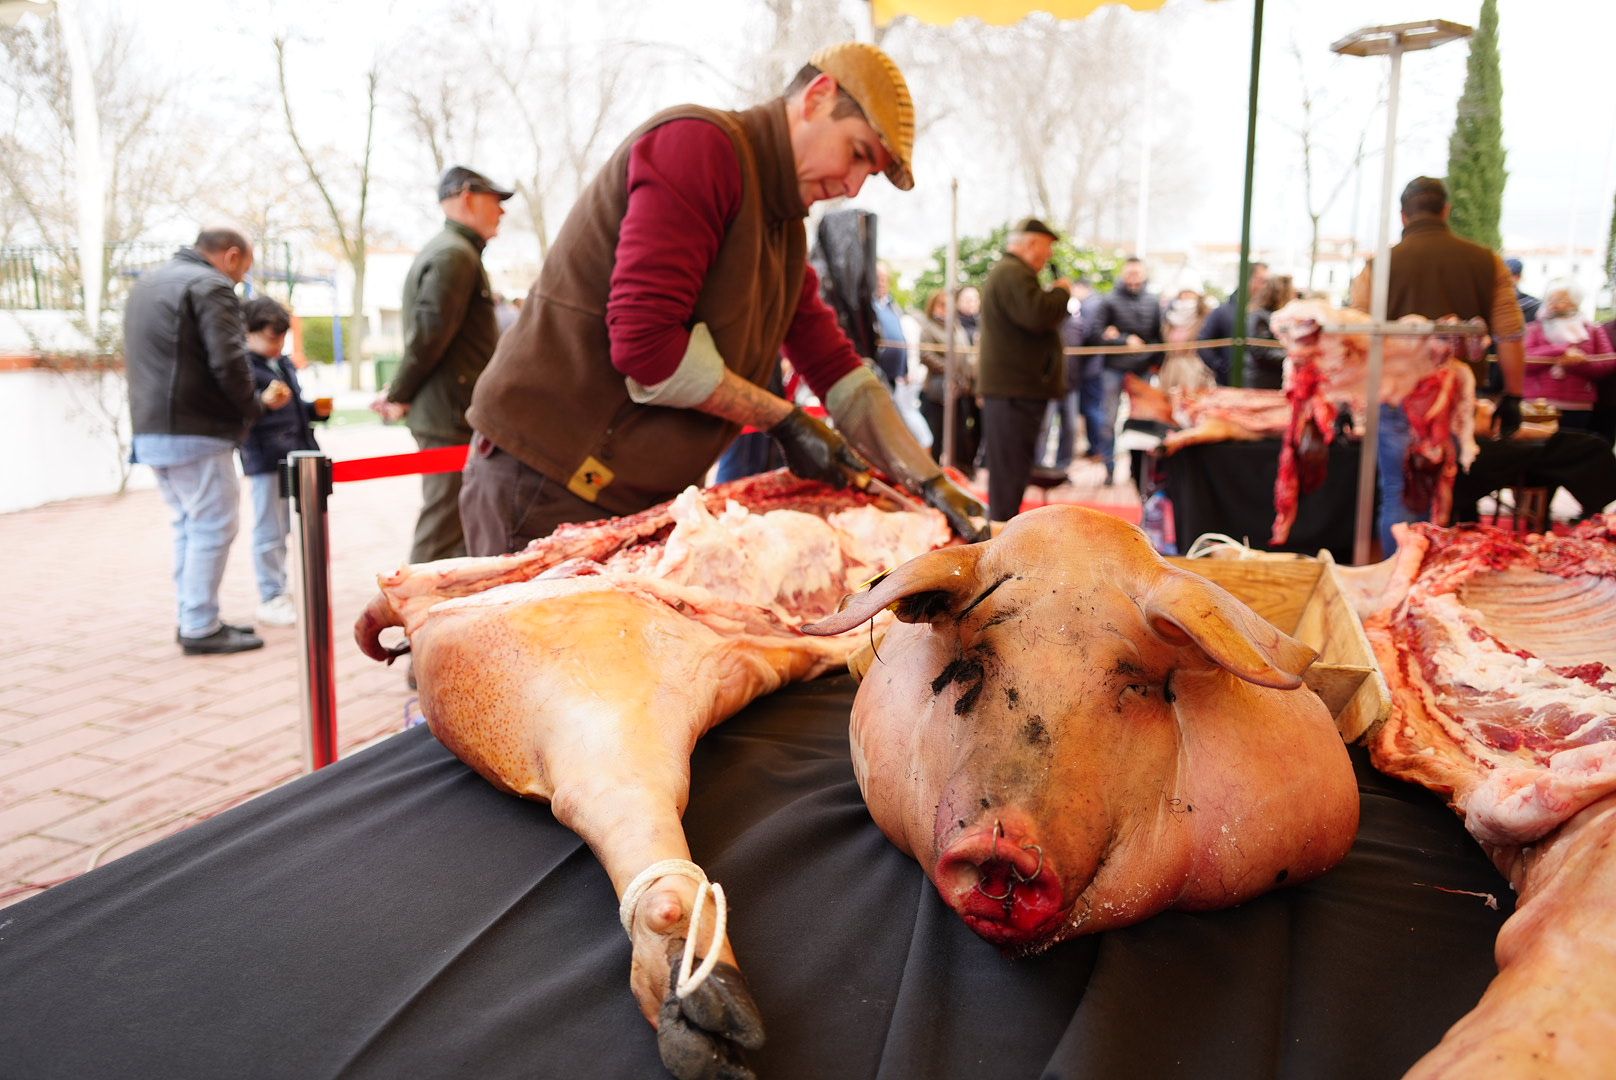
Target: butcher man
<point>679,275</point>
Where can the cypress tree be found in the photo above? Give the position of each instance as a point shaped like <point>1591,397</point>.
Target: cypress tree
<point>1610,249</point>
<point>1476,172</point>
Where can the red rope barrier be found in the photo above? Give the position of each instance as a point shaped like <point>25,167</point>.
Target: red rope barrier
<point>440,459</point>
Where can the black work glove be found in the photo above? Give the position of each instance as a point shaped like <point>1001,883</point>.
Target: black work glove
<point>958,507</point>
<point>814,451</point>
<point>1507,416</point>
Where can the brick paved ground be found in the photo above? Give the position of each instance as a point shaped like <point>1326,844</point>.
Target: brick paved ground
<point>110,739</point>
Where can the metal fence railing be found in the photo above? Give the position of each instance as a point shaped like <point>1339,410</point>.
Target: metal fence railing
<point>46,278</point>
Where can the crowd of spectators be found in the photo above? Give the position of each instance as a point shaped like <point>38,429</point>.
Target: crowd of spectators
<point>1182,339</point>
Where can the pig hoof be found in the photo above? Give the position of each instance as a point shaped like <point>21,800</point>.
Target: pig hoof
<point>702,1036</point>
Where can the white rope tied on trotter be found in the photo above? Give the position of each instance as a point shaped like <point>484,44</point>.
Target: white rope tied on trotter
<point>688,982</point>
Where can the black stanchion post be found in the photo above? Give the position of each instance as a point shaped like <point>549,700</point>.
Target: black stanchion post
<point>306,480</point>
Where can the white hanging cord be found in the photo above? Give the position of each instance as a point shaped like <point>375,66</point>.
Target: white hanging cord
<point>1208,544</point>
<point>688,982</point>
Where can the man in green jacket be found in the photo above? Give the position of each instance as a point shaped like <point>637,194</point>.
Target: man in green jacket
<point>449,336</point>
<point>1019,369</point>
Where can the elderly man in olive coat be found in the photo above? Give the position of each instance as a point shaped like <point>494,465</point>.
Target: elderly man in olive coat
<point>1020,368</point>
<point>449,336</point>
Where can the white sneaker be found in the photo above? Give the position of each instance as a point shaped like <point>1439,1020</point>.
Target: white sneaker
<point>278,611</point>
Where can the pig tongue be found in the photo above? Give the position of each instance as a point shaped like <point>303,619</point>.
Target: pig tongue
<point>1003,885</point>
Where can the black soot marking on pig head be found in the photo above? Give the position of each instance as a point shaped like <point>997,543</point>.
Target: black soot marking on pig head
<point>970,671</point>
<point>1036,734</point>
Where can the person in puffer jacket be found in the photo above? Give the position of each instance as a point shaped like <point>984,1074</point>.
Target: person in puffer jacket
<point>1130,314</point>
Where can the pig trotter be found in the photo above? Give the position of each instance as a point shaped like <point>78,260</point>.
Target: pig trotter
<point>701,1036</point>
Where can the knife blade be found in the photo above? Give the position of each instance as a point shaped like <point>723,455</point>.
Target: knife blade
<point>875,485</point>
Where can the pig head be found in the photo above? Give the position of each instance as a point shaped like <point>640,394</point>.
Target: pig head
<point>1070,734</point>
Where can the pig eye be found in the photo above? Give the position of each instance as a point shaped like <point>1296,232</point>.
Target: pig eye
<point>1143,689</point>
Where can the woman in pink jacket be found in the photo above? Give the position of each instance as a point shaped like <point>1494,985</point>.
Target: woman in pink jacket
<point>1568,359</point>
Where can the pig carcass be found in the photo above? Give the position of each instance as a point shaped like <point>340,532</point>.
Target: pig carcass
<point>583,669</point>
<point>1328,372</point>
<point>1500,651</point>
<point>1227,413</point>
<point>1069,734</point>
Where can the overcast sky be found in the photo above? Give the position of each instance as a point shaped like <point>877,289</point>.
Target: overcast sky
<point>1559,108</point>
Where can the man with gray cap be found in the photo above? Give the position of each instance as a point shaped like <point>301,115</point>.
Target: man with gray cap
<point>449,334</point>
<point>1021,366</point>
<point>678,277</point>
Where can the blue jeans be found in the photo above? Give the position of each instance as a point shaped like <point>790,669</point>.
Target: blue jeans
<point>1091,402</point>
<point>1063,412</point>
<point>1391,449</point>
<point>272,520</point>
<point>1110,400</point>
<point>197,476</point>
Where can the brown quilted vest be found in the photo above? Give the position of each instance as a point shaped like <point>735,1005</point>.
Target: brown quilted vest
<point>551,397</point>
<point>1435,273</point>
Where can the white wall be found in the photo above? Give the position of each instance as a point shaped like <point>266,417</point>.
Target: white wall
<point>54,443</point>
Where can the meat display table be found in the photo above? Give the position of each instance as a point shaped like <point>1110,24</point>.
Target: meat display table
<point>394,915</point>
<point>1228,487</point>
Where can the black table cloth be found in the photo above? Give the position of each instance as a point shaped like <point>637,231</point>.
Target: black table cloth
<point>395,916</point>
<point>1228,487</point>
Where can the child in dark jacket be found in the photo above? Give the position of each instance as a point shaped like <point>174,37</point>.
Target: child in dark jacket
<point>275,435</point>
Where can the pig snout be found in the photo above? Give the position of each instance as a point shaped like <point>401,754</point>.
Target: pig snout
<point>1003,883</point>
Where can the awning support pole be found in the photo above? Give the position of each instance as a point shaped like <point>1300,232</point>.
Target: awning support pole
<point>1237,356</point>
<point>1381,283</point>
<point>951,360</point>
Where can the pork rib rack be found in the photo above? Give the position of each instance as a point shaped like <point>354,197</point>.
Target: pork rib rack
<point>1501,653</point>
<point>583,669</point>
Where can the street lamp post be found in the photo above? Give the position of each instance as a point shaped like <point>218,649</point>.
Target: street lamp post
<point>1392,42</point>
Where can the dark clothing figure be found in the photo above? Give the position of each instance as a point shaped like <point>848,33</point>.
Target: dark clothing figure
<point>1529,305</point>
<point>1091,387</point>
<point>191,401</point>
<point>1575,460</point>
<point>934,392</point>
<point>1122,313</point>
<point>1219,358</point>
<point>449,335</point>
<point>1433,273</point>
<point>185,352</point>
<point>1137,313</point>
<point>1063,413</point>
<point>279,432</point>
<point>1264,367</point>
<point>1020,369</point>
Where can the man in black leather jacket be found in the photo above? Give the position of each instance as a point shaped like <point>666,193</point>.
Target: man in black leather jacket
<point>191,400</point>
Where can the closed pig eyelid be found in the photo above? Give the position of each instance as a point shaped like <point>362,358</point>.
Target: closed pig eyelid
<point>983,595</point>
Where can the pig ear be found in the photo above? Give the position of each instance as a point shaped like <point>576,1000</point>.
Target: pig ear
<point>1183,608</point>
<point>923,589</point>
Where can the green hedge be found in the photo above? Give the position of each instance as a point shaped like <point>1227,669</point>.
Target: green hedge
<point>317,341</point>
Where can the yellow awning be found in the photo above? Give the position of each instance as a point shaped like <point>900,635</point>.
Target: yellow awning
<point>995,12</point>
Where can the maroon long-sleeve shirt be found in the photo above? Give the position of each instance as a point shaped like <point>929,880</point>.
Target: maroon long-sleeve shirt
<point>684,188</point>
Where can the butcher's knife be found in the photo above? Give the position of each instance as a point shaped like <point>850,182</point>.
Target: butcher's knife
<point>868,482</point>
